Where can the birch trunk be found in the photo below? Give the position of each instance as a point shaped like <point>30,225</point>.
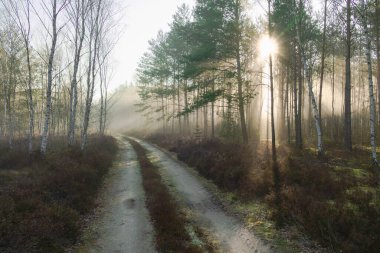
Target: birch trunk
<point>45,132</point>
<point>101,103</point>
<point>307,72</point>
<point>105,107</point>
<point>30,102</point>
<point>79,38</point>
<point>87,108</point>
<point>370,88</point>
<point>377,32</point>
<point>91,77</point>
<point>323,60</point>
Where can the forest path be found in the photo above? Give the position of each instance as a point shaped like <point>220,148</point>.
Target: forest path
<point>230,233</point>
<point>121,223</point>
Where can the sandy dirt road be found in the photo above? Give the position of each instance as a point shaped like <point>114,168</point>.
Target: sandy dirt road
<point>121,223</point>
<point>227,229</point>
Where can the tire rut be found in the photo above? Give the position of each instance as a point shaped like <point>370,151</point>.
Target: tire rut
<point>231,234</point>
<point>121,223</point>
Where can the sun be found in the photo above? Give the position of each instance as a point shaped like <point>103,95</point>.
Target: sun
<point>267,46</point>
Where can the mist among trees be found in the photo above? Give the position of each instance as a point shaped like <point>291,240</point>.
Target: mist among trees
<point>314,85</point>
<point>251,126</point>
<point>54,57</point>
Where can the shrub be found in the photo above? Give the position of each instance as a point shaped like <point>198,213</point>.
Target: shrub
<point>40,210</point>
<point>336,207</point>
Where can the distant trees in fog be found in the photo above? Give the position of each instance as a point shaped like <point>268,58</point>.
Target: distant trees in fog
<point>54,57</point>
<point>205,74</point>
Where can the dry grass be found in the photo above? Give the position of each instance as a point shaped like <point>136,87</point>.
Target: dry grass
<point>42,198</point>
<point>169,224</point>
<point>335,200</point>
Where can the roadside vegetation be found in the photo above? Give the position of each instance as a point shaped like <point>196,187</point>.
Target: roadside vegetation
<point>42,198</point>
<point>334,200</point>
<point>172,226</point>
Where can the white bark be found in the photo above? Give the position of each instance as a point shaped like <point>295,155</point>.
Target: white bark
<point>307,72</point>
<point>370,88</point>
<point>91,75</point>
<point>54,35</point>
<point>80,30</point>
<point>102,79</point>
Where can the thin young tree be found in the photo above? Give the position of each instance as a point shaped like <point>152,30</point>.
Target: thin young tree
<point>372,118</point>
<point>78,10</point>
<point>19,11</point>
<point>55,11</point>
<point>323,58</point>
<point>95,30</point>
<point>347,87</point>
<point>275,168</point>
<point>308,74</point>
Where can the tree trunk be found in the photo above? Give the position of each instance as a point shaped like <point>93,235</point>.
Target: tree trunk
<point>322,60</point>
<point>105,108</point>
<point>347,94</point>
<point>212,113</point>
<point>79,38</point>
<point>307,72</point>
<point>239,77</point>
<point>187,123</point>
<point>377,32</point>
<point>370,88</point>
<point>45,132</point>
<point>295,103</point>
<point>91,77</point>
<point>101,102</point>
<point>30,101</point>
<point>274,150</point>
<point>287,104</point>
<point>333,126</point>
<point>300,101</point>
<point>179,104</point>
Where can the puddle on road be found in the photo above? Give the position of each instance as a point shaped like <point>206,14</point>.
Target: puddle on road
<point>121,223</point>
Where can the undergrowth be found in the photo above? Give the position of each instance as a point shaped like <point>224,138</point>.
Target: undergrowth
<point>335,200</point>
<point>43,198</point>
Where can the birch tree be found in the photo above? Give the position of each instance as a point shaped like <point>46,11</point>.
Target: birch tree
<point>55,11</point>
<point>372,118</point>
<point>308,74</point>
<point>12,44</point>
<point>323,58</point>
<point>20,13</point>
<point>78,11</point>
<point>95,29</point>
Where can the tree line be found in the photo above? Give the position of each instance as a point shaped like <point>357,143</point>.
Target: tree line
<point>54,56</point>
<point>205,77</point>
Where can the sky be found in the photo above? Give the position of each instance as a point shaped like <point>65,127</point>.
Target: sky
<point>142,20</point>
